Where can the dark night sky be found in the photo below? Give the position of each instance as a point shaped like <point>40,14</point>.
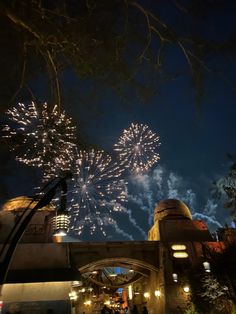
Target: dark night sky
<point>195,137</point>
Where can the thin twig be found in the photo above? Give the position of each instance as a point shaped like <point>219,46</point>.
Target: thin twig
<point>21,81</point>
<point>53,65</point>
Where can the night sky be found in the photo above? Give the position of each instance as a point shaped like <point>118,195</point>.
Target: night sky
<point>195,135</point>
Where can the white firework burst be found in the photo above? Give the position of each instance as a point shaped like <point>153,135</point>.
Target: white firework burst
<point>137,148</point>
<point>97,190</point>
<point>41,136</point>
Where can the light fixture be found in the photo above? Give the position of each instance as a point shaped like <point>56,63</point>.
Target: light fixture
<point>186,289</point>
<point>94,272</point>
<point>61,225</point>
<point>146,295</point>
<point>131,271</point>
<point>76,283</point>
<point>113,275</point>
<point>87,302</point>
<point>130,291</point>
<point>178,247</point>
<point>207,267</point>
<point>180,254</point>
<point>72,295</point>
<point>157,293</point>
<point>175,277</point>
<point>107,302</point>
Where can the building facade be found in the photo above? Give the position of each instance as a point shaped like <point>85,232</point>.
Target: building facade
<point>75,277</point>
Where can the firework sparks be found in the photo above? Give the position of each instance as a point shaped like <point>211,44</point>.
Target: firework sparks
<point>137,147</point>
<point>41,136</point>
<point>97,190</point>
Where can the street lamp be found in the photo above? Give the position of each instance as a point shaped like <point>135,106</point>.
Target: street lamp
<point>157,293</point>
<point>175,277</point>
<point>60,225</point>
<point>186,289</point>
<point>17,231</point>
<point>207,267</point>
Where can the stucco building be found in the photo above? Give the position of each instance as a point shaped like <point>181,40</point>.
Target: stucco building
<point>65,277</point>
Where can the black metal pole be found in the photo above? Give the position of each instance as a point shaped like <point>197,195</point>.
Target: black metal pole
<point>45,200</point>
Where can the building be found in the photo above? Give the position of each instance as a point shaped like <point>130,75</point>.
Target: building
<point>77,277</point>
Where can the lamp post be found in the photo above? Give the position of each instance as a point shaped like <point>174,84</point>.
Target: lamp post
<point>17,231</point>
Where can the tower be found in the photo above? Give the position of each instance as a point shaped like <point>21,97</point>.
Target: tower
<point>180,242</point>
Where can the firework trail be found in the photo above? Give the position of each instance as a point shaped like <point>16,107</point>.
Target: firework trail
<point>136,148</point>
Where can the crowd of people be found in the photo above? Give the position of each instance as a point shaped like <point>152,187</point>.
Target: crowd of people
<point>126,310</point>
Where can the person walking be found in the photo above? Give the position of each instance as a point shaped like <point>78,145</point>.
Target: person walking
<point>134,310</point>
<point>145,311</point>
<point>105,310</point>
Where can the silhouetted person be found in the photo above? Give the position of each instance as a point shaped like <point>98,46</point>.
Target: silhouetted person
<point>134,310</point>
<point>126,310</point>
<point>105,310</point>
<point>145,311</point>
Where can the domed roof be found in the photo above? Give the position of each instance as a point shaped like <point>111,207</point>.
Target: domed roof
<point>171,209</point>
<point>21,202</point>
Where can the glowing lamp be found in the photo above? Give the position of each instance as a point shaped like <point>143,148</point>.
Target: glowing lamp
<point>87,302</point>
<point>73,295</point>
<point>107,302</point>
<point>146,295</point>
<point>112,275</point>
<point>130,291</point>
<point>180,254</point>
<point>186,289</point>
<point>207,267</point>
<point>178,247</point>
<point>61,225</point>
<point>157,293</point>
<point>175,277</point>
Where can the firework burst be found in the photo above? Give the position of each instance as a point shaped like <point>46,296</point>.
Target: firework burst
<point>97,190</point>
<point>41,136</point>
<point>136,148</point>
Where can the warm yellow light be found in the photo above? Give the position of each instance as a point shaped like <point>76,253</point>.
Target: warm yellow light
<point>107,302</point>
<point>146,295</point>
<point>178,247</point>
<point>131,270</point>
<point>180,254</point>
<point>112,275</point>
<point>186,289</point>
<point>157,293</point>
<point>87,302</point>
<point>130,292</point>
<point>72,295</point>
<point>60,225</point>
<point>94,272</point>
